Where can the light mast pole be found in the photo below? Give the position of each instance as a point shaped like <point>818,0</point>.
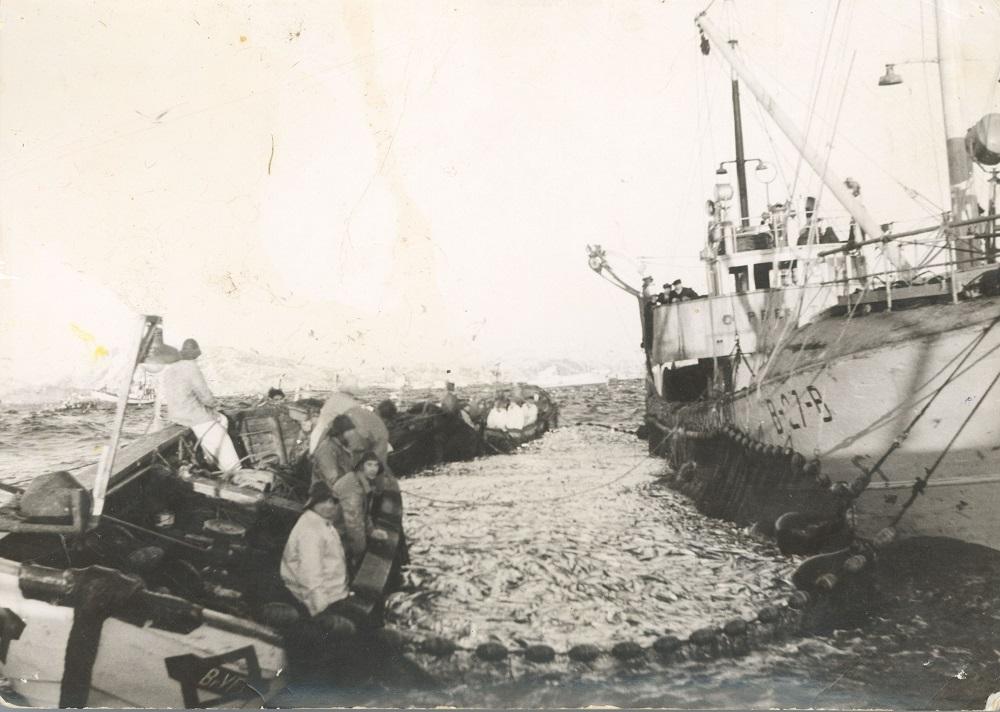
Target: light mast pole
<point>741,167</point>
<point>950,69</point>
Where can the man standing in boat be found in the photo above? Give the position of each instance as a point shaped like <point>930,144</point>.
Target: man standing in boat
<point>648,290</point>
<point>190,403</point>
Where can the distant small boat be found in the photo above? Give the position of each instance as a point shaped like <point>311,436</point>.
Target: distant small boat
<point>509,427</point>
<point>142,392</point>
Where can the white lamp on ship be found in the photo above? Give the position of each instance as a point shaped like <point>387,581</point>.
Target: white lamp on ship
<point>890,78</point>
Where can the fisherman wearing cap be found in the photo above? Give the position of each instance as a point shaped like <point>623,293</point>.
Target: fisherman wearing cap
<point>313,565</point>
<point>337,642</point>
<point>680,293</point>
<point>648,290</point>
<point>650,298</point>
<point>190,403</point>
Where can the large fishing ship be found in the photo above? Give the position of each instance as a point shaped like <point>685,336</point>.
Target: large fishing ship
<point>828,388</point>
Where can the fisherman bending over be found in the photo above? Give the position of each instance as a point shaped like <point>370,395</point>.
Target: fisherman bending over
<point>190,403</point>
<point>371,433</point>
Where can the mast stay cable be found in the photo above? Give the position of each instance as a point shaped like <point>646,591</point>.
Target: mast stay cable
<point>820,70</point>
<point>787,327</point>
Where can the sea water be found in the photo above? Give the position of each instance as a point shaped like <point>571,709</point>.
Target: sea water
<point>575,538</point>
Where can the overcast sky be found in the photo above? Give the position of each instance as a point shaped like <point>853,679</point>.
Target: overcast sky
<point>402,181</point>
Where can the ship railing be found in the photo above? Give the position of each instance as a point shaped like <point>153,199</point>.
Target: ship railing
<point>965,250</point>
<point>747,235</point>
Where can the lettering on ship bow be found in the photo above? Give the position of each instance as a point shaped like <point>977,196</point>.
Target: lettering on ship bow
<point>794,411</point>
<point>762,315</point>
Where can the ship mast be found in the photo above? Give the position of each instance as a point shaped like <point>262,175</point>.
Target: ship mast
<point>815,160</point>
<point>950,70</point>
<point>741,168</point>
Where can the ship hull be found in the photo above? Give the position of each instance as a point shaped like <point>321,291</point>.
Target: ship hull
<point>911,391</point>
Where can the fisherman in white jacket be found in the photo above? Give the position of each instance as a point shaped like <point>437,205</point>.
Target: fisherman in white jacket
<point>313,565</point>
<point>190,403</point>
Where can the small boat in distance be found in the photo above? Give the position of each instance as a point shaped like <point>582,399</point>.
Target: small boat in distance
<point>141,392</point>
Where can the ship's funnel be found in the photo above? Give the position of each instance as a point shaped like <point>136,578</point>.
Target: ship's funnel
<point>982,141</point>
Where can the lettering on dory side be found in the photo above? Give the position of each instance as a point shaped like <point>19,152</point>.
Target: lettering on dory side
<point>215,675</point>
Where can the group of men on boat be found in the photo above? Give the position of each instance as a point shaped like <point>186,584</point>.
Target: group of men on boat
<point>512,411</point>
<point>672,292</point>
<point>348,451</point>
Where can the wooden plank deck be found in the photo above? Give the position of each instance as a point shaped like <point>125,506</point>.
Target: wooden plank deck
<point>134,454</point>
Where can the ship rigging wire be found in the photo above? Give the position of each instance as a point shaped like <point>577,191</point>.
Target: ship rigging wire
<point>921,483</point>
<point>787,327</point>
<point>758,115</point>
<point>932,208</point>
<point>927,94</point>
<point>933,211</point>
<point>820,70</point>
<point>898,440</point>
